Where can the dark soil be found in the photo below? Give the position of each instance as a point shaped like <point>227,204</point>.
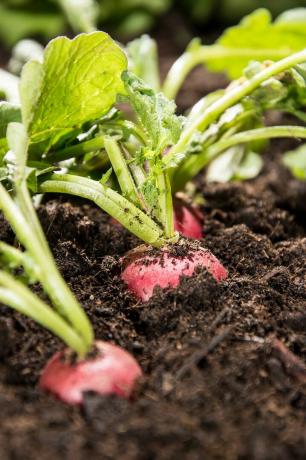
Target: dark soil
<point>218,385</point>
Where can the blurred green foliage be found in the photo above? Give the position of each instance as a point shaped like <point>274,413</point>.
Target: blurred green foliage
<point>125,18</point>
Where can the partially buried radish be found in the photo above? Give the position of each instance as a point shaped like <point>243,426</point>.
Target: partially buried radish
<point>109,370</point>
<point>188,219</point>
<point>145,269</point>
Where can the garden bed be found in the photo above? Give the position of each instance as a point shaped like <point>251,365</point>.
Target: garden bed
<point>216,381</point>
<point>218,384</point>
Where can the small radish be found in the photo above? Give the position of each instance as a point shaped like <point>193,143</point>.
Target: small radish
<point>143,270</point>
<point>111,371</point>
<point>188,219</point>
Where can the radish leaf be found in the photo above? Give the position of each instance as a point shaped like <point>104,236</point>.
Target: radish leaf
<point>257,34</point>
<point>8,112</point>
<point>295,160</point>
<point>78,82</point>
<point>155,113</point>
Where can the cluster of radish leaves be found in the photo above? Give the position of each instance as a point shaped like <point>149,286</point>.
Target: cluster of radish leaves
<point>72,133</point>
<point>130,166</point>
<point>256,39</point>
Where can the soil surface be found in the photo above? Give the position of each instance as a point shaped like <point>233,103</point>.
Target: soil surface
<point>224,364</point>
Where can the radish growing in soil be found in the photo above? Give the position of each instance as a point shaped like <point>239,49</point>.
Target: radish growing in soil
<point>144,269</point>
<point>152,156</point>
<point>226,125</point>
<point>87,365</point>
<point>150,159</point>
<point>108,370</point>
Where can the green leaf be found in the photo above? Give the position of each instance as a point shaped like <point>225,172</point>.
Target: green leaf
<point>8,113</point>
<point>9,87</point>
<point>223,168</point>
<point>155,113</point>
<point>236,163</point>
<point>229,121</point>
<point>257,37</point>
<point>18,143</point>
<point>249,167</point>
<point>286,92</point>
<point>151,193</point>
<point>78,82</point>
<point>295,160</point>
<point>143,60</point>
<point>30,86</point>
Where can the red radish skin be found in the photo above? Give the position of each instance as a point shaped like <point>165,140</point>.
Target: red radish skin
<point>143,272</point>
<point>112,371</point>
<point>188,219</point>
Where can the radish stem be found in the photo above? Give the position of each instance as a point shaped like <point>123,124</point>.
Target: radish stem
<point>194,164</point>
<point>121,170</point>
<point>202,55</point>
<point>14,294</point>
<point>110,201</point>
<point>235,95</point>
<point>49,276</point>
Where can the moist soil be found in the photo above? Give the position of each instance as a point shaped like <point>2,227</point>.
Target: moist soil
<point>224,364</point>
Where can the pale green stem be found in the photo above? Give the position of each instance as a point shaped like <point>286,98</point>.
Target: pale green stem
<point>196,163</point>
<point>203,55</point>
<point>165,204</point>
<point>121,170</point>
<point>139,175</point>
<point>74,151</point>
<point>232,97</point>
<point>110,201</point>
<point>235,95</point>
<point>17,296</point>
<point>50,278</point>
<point>137,171</point>
<point>272,132</point>
<point>16,258</point>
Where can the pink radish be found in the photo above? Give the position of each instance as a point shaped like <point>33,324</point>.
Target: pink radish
<point>145,270</point>
<point>188,219</point>
<point>111,371</point>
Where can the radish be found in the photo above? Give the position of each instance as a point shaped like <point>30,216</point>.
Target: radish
<point>144,269</point>
<point>188,219</point>
<point>111,371</point>
<point>152,156</point>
